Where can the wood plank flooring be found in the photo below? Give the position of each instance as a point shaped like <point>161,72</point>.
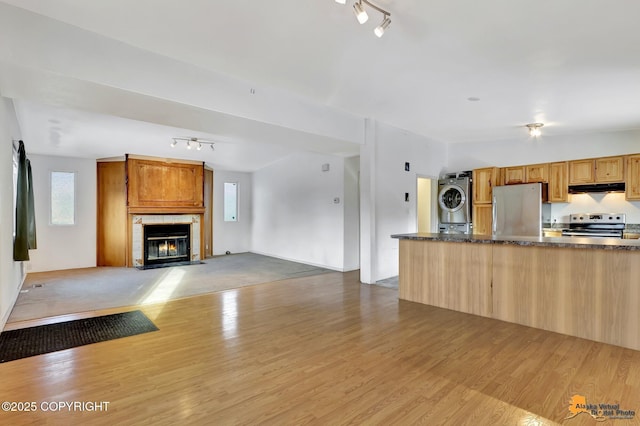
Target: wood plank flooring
<point>324,350</point>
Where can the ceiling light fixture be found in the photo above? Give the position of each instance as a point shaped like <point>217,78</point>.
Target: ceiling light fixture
<point>362,16</point>
<point>379,31</point>
<point>534,129</point>
<point>197,142</point>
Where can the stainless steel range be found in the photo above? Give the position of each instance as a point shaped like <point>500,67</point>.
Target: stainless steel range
<point>596,225</point>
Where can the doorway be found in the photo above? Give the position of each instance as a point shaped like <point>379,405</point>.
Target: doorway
<point>427,216</point>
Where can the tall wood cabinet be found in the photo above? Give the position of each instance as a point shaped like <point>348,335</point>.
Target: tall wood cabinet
<point>483,182</point>
<point>112,224</point>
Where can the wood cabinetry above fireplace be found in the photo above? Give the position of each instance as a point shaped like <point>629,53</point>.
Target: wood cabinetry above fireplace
<point>155,187</point>
<point>164,187</point>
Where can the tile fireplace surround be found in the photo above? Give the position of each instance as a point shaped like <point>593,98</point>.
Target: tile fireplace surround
<point>139,221</point>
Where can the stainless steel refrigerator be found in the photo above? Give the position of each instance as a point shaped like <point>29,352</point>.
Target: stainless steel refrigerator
<point>520,210</point>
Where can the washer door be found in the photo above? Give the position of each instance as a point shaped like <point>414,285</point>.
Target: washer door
<point>451,198</point>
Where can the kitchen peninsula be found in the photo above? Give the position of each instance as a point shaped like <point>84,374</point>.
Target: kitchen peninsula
<point>583,287</point>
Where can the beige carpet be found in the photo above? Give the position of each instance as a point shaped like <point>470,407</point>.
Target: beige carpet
<point>47,294</point>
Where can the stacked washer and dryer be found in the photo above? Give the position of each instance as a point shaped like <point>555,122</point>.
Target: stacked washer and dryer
<point>454,203</point>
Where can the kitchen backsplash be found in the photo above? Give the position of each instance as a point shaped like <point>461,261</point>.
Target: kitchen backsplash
<point>596,203</point>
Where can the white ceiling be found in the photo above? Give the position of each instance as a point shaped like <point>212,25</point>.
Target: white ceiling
<point>572,64</point>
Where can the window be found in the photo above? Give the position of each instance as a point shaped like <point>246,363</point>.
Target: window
<point>230,202</point>
<point>63,194</point>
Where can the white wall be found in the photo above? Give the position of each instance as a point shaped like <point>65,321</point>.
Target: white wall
<point>472,155</point>
<point>64,247</point>
<point>294,214</point>
<point>556,148</point>
<point>384,183</point>
<point>351,214</point>
<point>232,236</point>
<point>11,273</point>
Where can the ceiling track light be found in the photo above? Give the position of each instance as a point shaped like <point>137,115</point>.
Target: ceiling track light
<point>191,142</point>
<point>379,31</point>
<point>362,16</point>
<point>534,129</point>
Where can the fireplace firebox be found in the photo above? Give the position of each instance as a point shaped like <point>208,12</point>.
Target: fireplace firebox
<point>167,243</point>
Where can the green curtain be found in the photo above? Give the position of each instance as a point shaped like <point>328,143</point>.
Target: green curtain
<point>31,211</point>
<point>25,238</point>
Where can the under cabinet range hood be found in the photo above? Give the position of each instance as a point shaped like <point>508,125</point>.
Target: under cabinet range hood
<point>596,187</point>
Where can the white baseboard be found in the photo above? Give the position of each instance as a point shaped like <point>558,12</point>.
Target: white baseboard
<point>298,261</point>
<point>14,299</point>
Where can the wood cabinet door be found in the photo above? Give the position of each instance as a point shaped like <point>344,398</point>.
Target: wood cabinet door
<point>514,175</point>
<point>633,177</point>
<point>112,214</point>
<point>208,214</point>
<point>537,173</point>
<point>558,176</point>
<point>482,219</point>
<point>610,169</point>
<point>163,186</point>
<point>581,171</point>
<point>483,182</point>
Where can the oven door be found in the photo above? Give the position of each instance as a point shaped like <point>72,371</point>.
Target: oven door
<point>594,234</point>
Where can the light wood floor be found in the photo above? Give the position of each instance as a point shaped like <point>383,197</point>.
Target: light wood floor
<point>324,350</point>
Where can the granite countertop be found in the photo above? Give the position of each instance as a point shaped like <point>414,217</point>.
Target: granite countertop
<point>572,242</point>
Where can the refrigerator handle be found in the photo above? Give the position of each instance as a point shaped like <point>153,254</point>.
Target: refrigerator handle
<point>494,215</point>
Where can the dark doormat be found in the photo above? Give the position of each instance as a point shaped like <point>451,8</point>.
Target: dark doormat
<point>42,339</point>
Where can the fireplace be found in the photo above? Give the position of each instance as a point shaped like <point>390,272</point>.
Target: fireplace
<point>178,225</point>
<point>167,243</point>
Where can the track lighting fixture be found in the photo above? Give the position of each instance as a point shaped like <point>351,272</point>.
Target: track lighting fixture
<point>534,129</point>
<point>379,31</point>
<point>362,16</point>
<point>191,142</point>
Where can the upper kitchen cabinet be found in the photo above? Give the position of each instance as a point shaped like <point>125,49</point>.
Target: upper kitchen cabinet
<point>610,169</point>
<point>596,170</point>
<point>537,173</point>
<point>558,187</point>
<point>581,171</point>
<point>483,182</point>
<point>514,175</point>
<point>633,177</point>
